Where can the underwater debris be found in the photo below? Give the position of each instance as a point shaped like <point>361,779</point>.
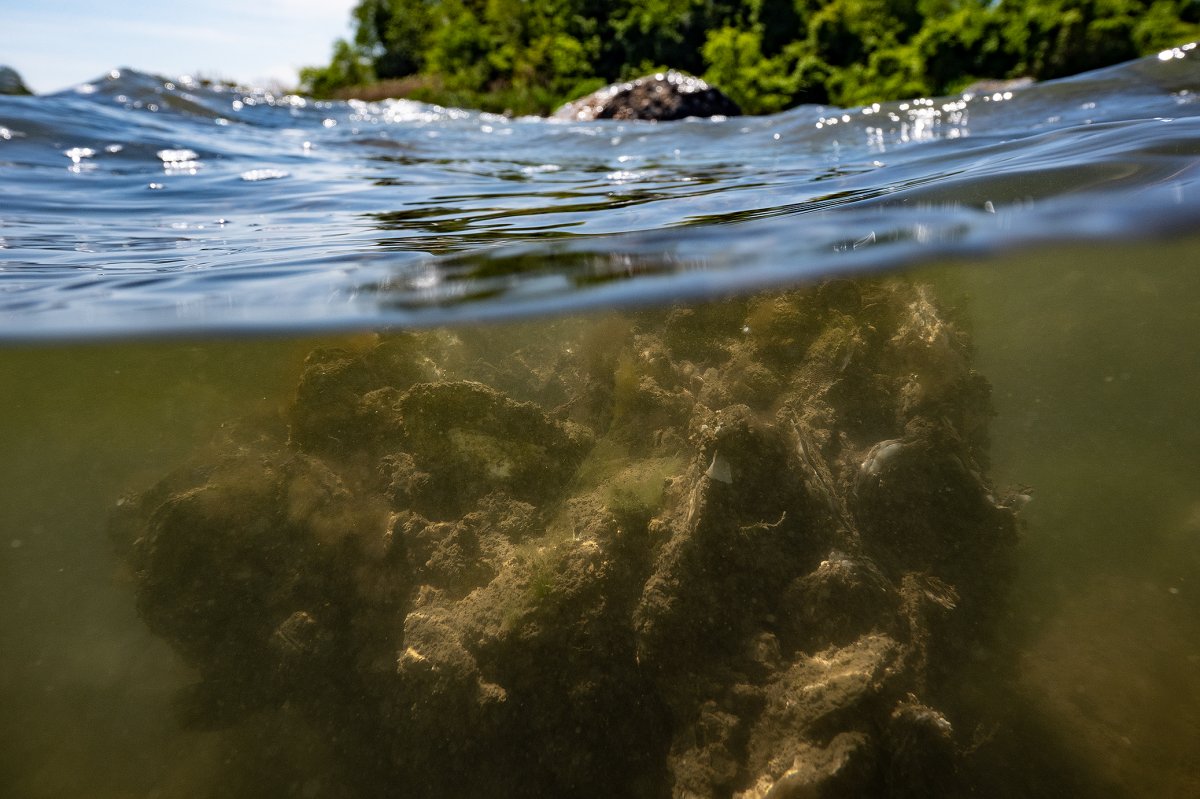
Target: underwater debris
<point>879,456</point>
<point>525,549</point>
<point>719,470</point>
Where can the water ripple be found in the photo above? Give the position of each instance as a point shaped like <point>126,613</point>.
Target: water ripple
<point>136,205</point>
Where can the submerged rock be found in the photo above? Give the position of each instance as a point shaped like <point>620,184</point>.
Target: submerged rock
<point>731,550</point>
<point>661,97</point>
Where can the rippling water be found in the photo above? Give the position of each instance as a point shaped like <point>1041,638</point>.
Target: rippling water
<point>1055,225</point>
<point>134,205</point>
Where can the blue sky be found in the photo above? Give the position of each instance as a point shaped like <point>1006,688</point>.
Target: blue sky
<point>55,44</point>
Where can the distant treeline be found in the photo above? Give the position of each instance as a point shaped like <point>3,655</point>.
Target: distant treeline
<point>530,55</point>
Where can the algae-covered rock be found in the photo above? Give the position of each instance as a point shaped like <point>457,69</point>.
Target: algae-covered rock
<point>733,550</point>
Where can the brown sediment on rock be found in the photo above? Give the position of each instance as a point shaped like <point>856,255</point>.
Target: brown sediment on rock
<point>734,550</point>
<point>661,97</point>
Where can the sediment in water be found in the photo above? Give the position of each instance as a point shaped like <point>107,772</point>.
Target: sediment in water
<point>734,550</point>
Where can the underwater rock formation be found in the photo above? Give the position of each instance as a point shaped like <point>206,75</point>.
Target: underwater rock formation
<point>662,97</point>
<point>726,551</point>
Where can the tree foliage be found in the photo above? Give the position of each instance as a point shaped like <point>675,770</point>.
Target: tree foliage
<point>525,56</point>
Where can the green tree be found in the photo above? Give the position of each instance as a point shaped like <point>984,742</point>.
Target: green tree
<point>349,67</point>
<point>962,45</point>
<point>768,54</point>
<point>760,84</point>
<point>1165,24</point>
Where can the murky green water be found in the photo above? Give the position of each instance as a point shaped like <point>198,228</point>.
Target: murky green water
<point>1096,373</point>
<point>1089,682</point>
<point>87,689</point>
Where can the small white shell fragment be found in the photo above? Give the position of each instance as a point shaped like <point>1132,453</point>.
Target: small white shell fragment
<point>879,455</point>
<point>719,469</point>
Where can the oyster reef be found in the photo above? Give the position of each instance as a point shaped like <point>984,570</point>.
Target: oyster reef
<point>730,550</point>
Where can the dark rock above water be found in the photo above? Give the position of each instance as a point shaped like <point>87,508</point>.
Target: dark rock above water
<point>11,83</point>
<point>661,97</point>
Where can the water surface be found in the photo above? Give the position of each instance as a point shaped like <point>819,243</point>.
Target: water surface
<point>134,204</point>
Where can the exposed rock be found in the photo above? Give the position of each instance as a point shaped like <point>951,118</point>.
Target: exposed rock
<point>732,550</point>
<point>11,83</point>
<point>661,97</point>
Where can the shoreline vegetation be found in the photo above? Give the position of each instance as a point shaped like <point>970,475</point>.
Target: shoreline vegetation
<point>516,57</point>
